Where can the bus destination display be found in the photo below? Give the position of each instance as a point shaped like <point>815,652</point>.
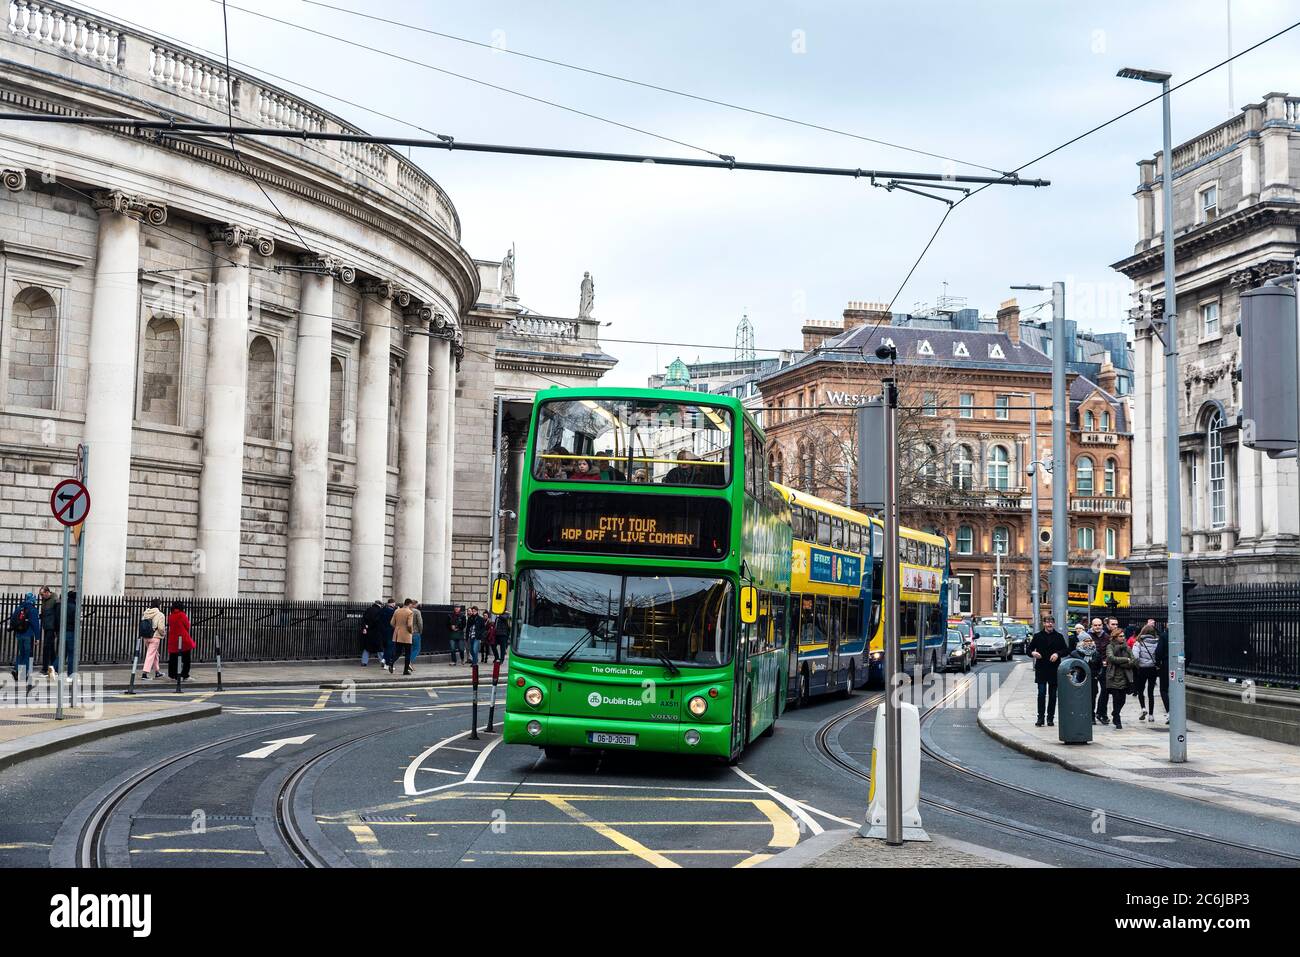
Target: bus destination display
<point>612,524</point>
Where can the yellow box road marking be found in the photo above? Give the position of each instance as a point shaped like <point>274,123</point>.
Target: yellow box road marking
<point>322,700</point>
<point>363,834</point>
<point>619,838</point>
<point>785,832</point>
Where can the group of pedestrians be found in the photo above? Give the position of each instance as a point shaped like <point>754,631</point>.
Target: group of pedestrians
<point>1120,663</point>
<point>477,634</point>
<point>390,631</point>
<point>174,629</point>
<point>36,620</point>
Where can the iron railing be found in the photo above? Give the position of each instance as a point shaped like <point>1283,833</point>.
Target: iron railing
<point>249,629</point>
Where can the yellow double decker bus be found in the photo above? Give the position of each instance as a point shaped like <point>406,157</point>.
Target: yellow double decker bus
<point>836,577</point>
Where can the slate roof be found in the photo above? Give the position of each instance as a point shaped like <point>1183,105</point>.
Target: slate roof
<point>946,347</point>
<point>1081,387</point>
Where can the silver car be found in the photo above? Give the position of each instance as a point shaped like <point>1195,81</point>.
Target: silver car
<point>992,641</point>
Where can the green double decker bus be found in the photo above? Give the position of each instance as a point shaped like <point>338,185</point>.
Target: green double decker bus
<point>652,578</point>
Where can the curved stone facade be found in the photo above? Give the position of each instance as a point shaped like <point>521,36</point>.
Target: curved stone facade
<point>265,397</point>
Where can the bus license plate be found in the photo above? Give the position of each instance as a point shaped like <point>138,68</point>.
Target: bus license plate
<point>599,737</point>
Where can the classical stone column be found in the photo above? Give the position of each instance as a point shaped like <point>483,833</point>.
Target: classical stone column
<point>457,350</point>
<point>437,573</point>
<point>224,398</point>
<point>305,576</point>
<point>110,388</point>
<point>516,439</point>
<point>413,434</point>
<point>366,581</point>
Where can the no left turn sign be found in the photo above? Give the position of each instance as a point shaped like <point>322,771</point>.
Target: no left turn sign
<point>70,502</point>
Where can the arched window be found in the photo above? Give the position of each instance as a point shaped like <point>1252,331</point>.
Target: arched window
<point>160,372</point>
<point>1218,475</point>
<point>259,415</point>
<point>929,470</point>
<point>965,540</point>
<point>1001,540</point>
<point>33,349</point>
<point>336,406</point>
<point>1089,423</point>
<point>1111,468</point>
<point>963,468</point>
<point>1083,476</point>
<point>775,466</point>
<point>394,407</point>
<point>1105,421</point>
<point>999,468</point>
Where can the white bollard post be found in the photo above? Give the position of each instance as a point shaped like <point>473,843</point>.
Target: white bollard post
<point>877,814</point>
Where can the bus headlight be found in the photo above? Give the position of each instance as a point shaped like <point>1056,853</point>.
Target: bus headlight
<point>697,706</point>
<point>692,737</point>
<point>533,696</point>
<point>534,728</point>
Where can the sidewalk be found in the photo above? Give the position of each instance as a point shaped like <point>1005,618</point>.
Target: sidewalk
<point>429,672</point>
<point>843,848</point>
<point>1233,770</point>
<point>29,732</point>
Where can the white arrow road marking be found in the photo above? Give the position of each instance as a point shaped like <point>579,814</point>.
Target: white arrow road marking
<point>276,745</point>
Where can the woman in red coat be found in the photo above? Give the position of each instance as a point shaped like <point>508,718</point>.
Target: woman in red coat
<point>180,643</point>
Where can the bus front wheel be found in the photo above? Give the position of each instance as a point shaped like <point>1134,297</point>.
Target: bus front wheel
<point>847,690</point>
<point>803,688</point>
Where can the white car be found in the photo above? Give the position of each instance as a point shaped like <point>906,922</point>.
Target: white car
<point>992,641</point>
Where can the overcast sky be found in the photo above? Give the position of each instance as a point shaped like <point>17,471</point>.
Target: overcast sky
<point>677,255</point>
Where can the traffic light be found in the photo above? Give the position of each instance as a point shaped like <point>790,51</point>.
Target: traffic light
<point>1268,369</point>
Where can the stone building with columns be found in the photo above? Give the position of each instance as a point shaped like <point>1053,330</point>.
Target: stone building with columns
<point>1236,222</point>
<point>269,401</point>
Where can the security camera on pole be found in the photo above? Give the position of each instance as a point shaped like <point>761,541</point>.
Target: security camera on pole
<point>893,813</point>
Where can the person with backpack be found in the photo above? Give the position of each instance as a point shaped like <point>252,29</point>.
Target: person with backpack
<point>1162,664</point>
<point>153,628</point>
<point>25,624</point>
<point>1148,671</point>
<point>180,643</point>
<point>69,618</point>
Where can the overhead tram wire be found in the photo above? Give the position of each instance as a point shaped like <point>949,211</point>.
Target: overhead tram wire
<point>230,123</point>
<point>470,79</point>
<point>450,144</point>
<point>648,86</point>
<point>1070,142</point>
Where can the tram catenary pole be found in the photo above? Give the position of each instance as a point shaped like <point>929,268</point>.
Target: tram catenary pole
<point>893,654</point>
<point>1034,595</point>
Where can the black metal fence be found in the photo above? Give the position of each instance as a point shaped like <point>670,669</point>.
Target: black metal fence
<point>249,629</point>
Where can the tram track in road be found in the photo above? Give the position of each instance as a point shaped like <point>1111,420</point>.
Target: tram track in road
<point>92,850</point>
<point>823,739</point>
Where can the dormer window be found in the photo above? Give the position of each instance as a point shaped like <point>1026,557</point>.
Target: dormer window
<point>995,351</point>
<point>925,349</point>
<point>960,351</point>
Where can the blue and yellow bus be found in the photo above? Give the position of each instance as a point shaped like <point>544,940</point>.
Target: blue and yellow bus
<point>836,582</point>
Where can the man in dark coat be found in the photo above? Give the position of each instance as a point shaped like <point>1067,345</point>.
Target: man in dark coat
<point>456,633</point>
<point>1047,648</point>
<point>49,627</point>
<point>1102,638</point>
<point>372,635</point>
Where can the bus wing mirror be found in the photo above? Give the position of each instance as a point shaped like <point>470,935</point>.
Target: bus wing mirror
<point>500,592</point>
<point>748,604</point>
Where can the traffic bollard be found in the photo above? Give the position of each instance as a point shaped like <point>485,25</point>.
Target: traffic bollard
<point>135,661</point>
<point>473,721</point>
<point>492,705</point>
<point>219,688</point>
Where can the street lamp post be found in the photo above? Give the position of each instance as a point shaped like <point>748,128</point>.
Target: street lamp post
<point>1059,467</point>
<point>1173,492</point>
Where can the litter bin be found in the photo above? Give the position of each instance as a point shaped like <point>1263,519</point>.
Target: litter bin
<point>1074,701</point>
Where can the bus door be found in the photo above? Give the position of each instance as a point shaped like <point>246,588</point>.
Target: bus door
<point>743,634</point>
<point>834,634</point>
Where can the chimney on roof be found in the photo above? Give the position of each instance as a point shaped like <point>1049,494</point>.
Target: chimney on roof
<point>864,313</point>
<point>817,331</point>
<point>1009,320</point>
<point>1108,377</point>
